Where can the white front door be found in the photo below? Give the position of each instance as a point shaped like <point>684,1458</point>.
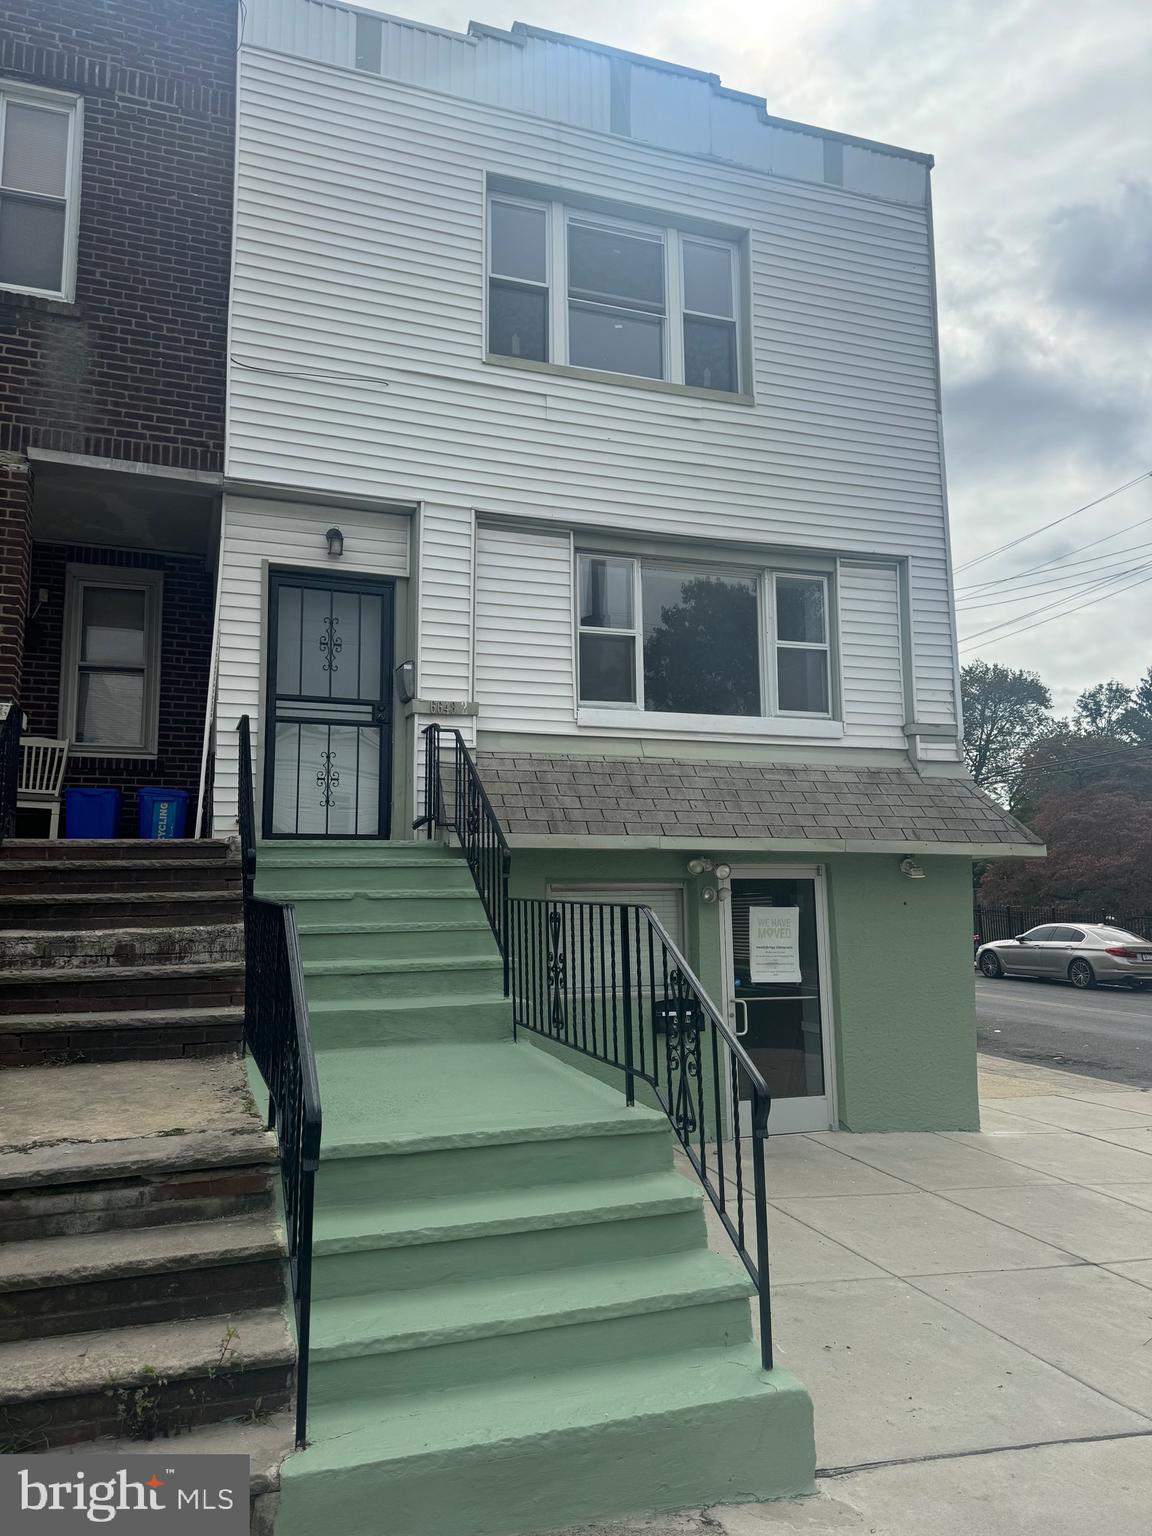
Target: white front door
<point>778,995</point>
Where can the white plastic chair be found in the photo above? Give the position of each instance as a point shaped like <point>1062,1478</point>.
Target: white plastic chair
<point>42,764</point>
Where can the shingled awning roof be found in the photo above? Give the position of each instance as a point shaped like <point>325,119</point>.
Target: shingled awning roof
<point>662,803</point>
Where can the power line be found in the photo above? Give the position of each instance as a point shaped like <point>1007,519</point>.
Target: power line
<point>1067,588</point>
<point>1024,537</point>
<point>1076,607</point>
<point>1056,579</point>
<point>1056,559</point>
<point>1094,586</point>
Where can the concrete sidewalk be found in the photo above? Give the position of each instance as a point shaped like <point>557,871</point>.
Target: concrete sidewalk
<point>972,1314</point>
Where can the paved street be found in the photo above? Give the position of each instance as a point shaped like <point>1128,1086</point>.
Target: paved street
<point>1105,1034</point>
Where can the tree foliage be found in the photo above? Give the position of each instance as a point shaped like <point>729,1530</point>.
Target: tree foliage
<point>1099,853</point>
<point>1005,710</point>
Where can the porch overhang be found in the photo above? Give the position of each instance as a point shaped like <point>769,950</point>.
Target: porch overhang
<point>620,803</point>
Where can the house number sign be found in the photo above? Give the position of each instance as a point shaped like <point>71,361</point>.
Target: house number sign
<point>444,707</point>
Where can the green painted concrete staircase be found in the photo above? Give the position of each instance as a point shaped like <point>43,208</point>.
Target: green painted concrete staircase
<point>517,1324</point>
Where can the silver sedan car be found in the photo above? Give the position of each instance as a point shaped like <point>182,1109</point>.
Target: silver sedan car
<point>1082,953</point>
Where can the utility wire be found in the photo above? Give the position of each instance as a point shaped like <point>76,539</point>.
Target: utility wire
<point>1067,589</point>
<point>1076,607</point>
<point>1056,559</point>
<point>1094,586</point>
<point>1024,537</point>
<point>1056,579</point>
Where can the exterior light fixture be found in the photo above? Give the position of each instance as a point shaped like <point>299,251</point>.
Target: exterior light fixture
<point>335,542</point>
<point>723,871</point>
<point>406,681</point>
<point>700,866</point>
<point>910,868</point>
<point>708,894</point>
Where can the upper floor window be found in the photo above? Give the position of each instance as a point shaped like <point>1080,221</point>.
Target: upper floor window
<point>680,639</point>
<point>39,190</point>
<point>566,286</point>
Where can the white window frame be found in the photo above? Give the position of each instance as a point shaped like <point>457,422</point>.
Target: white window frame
<point>78,579</point>
<point>589,709</point>
<point>73,108</point>
<point>778,645</point>
<point>558,217</point>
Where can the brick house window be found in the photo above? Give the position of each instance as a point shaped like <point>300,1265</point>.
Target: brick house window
<point>110,685</point>
<point>39,190</point>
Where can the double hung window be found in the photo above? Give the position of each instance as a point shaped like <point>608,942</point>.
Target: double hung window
<point>611,295</point>
<point>39,190</point>
<point>690,640</point>
<point>802,680</point>
<point>110,684</point>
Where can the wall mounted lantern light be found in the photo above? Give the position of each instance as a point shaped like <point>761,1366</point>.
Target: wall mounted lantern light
<point>910,868</point>
<point>335,542</point>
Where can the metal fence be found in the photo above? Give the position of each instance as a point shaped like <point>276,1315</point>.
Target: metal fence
<point>991,923</point>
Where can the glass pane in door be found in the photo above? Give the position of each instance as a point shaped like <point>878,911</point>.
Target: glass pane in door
<point>776,982</point>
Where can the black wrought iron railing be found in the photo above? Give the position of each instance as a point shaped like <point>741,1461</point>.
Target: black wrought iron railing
<point>277,1035</point>
<point>455,799</point>
<point>9,768</point>
<point>606,980</point>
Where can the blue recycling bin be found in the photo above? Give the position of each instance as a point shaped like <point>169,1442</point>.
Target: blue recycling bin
<point>163,812</point>
<point>91,812</point>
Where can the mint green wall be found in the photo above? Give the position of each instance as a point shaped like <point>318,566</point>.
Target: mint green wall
<point>900,961</point>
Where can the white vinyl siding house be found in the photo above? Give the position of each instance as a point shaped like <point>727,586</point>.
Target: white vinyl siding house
<point>565,305</point>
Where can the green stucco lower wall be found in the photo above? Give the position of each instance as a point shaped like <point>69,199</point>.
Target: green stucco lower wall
<point>904,998</point>
<point>899,961</point>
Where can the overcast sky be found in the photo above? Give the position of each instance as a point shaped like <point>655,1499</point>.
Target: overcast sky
<point>1039,113</point>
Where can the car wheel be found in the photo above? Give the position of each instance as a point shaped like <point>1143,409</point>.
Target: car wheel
<point>1081,975</point>
<point>991,966</point>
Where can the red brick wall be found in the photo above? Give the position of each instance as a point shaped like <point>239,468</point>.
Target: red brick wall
<point>134,369</point>
<point>185,644</point>
<point>15,549</point>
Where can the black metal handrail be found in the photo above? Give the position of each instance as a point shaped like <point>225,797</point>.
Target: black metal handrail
<point>457,800</point>
<point>607,980</point>
<point>276,1033</point>
<point>9,768</point>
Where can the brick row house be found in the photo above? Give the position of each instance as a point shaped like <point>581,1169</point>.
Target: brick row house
<point>116,196</point>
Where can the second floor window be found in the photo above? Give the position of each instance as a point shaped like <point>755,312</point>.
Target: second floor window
<point>679,639</point>
<point>612,295</point>
<point>39,191</point>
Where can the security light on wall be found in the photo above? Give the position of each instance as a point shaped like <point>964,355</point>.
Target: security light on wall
<point>700,866</point>
<point>335,542</point>
<point>406,681</point>
<point>910,868</point>
<point>708,894</point>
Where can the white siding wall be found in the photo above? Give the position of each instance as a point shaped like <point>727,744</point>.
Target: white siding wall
<point>444,653</point>
<point>358,309</point>
<point>524,663</point>
<point>872,679</point>
<point>259,533</point>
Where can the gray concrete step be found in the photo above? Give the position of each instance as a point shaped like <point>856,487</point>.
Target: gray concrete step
<point>142,1275</point>
<point>145,1382</point>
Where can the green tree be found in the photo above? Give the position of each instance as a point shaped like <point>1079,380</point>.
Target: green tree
<point>1005,710</point>
<point>1101,710</point>
<point>1067,761</point>
<point>1099,854</point>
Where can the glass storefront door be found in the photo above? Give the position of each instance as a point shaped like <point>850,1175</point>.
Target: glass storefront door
<point>777,1001</point>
